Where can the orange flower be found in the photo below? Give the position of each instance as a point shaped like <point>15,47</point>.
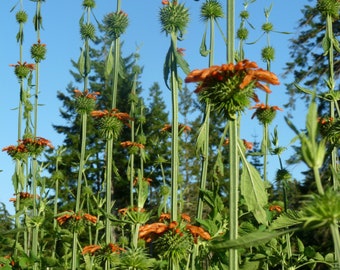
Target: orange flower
<point>165,2</point>
<point>145,179</point>
<point>62,219</point>
<point>131,144</point>
<point>123,211</point>
<point>249,70</point>
<point>186,217</point>
<point>276,208</point>
<point>262,106</point>
<point>29,66</point>
<point>248,145</point>
<point>148,230</point>
<point>181,128</point>
<point>24,195</point>
<point>198,231</point>
<point>181,51</point>
<point>90,249</point>
<point>115,249</point>
<point>164,216</point>
<point>124,117</point>
<point>325,120</point>
<point>86,94</point>
<point>90,218</point>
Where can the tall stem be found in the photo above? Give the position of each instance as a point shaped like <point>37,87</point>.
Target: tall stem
<point>233,192</point>
<point>174,139</point>
<point>109,149</point>
<point>206,124</point>
<point>79,185</point>
<point>234,158</point>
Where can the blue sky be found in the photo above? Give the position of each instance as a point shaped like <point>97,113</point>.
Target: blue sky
<point>61,34</point>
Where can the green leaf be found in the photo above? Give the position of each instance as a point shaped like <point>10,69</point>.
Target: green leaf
<point>326,44</point>
<point>203,48</point>
<point>201,138</point>
<point>248,240</point>
<point>81,62</point>
<point>109,63</point>
<point>287,219</point>
<point>253,190</point>
<point>167,67</point>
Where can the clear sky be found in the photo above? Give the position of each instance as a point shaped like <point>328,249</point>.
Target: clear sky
<point>61,35</point>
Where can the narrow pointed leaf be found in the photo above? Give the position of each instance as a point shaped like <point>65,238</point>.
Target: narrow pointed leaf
<point>109,62</point>
<point>253,190</point>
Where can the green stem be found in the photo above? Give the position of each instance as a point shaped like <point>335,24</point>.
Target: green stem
<point>233,192</point>
<point>35,230</point>
<point>79,185</point>
<point>174,139</point>
<point>109,164</point>
<point>234,158</point>
<point>205,154</point>
<point>115,72</point>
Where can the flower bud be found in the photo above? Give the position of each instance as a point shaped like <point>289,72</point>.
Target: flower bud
<point>242,33</point>
<point>268,53</point>
<point>89,3</point>
<point>115,24</point>
<point>211,10</point>
<point>38,52</point>
<point>266,115</point>
<point>87,31</point>
<point>267,27</point>
<point>244,15</point>
<point>174,18</point>
<point>21,16</point>
<point>330,7</point>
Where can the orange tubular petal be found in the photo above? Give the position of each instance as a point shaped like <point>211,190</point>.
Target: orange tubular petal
<point>266,76</point>
<point>263,87</point>
<point>246,80</point>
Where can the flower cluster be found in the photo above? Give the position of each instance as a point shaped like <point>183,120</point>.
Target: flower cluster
<point>72,216</point>
<point>330,129</point>
<point>23,195</point>
<point>111,122</point>
<point>265,113</point>
<point>38,52</point>
<point>115,23</point>
<point>26,147</point>
<point>149,231</point>
<point>22,70</point>
<point>85,101</point>
<point>230,87</point>
<point>92,249</point>
<point>248,145</point>
<point>7,262</point>
<point>174,17</point>
<point>181,128</point>
<point>133,147</point>
<point>211,10</point>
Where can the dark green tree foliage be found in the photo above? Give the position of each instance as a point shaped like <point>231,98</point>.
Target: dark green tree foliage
<point>6,235</point>
<point>309,64</point>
